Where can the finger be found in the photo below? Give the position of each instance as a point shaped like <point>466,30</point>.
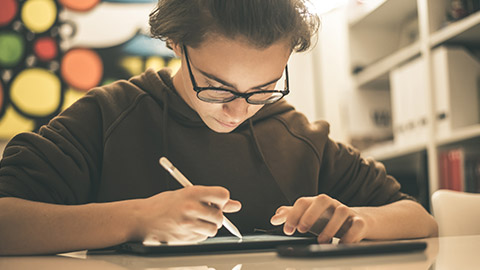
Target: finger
<point>197,210</point>
<point>280,215</point>
<point>186,238</point>
<point>319,208</point>
<point>356,231</point>
<point>232,206</point>
<point>218,196</point>
<point>339,217</point>
<point>200,227</point>
<point>295,214</point>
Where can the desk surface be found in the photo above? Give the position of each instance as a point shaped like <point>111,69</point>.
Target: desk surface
<point>460,252</point>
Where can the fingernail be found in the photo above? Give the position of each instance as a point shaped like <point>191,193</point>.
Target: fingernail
<point>288,229</point>
<point>302,228</point>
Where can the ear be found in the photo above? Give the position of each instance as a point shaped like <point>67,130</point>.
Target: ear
<point>176,47</point>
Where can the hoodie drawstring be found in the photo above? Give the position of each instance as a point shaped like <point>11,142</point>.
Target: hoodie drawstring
<point>256,144</point>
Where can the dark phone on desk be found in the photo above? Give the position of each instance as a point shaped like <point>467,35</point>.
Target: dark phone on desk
<point>362,248</point>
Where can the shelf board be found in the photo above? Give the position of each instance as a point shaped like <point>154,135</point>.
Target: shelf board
<point>376,75</point>
<point>387,12</point>
<point>464,31</point>
<point>391,150</point>
<point>462,134</point>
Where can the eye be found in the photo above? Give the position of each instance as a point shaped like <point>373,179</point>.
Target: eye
<point>213,84</point>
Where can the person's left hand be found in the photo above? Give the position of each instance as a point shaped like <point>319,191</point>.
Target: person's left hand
<point>323,215</point>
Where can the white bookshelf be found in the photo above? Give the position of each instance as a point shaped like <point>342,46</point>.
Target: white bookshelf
<point>465,31</point>
<point>372,62</point>
<point>383,11</point>
<point>388,150</point>
<point>463,134</point>
<point>376,75</point>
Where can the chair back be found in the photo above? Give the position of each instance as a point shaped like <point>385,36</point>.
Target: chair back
<point>457,213</point>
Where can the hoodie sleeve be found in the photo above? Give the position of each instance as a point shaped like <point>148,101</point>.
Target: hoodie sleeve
<point>61,163</point>
<point>354,180</point>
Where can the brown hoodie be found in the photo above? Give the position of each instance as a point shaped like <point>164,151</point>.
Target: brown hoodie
<point>106,147</point>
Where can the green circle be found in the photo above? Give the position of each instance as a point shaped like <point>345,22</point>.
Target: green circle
<point>12,48</point>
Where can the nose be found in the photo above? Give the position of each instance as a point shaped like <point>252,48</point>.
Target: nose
<point>236,109</point>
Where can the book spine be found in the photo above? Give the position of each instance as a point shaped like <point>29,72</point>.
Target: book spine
<point>455,168</point>
<point>443,170</point>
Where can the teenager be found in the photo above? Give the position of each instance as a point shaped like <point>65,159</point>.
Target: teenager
<point>91,178</point>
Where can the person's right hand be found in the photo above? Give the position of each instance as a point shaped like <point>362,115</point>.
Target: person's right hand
<point>190,214</point>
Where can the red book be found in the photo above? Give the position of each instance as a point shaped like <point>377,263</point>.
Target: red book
<point>455,169</point>
<point>443,170</point>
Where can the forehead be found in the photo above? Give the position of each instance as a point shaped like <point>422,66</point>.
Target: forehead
<point>236,61</point>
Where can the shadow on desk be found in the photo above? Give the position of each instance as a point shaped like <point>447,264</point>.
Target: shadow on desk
<point>55,262</point>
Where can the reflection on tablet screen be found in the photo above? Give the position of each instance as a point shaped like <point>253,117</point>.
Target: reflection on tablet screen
<point>232,240</point>
<point>249,239</point>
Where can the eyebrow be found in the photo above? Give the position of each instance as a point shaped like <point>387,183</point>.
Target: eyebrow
<point>215,78</point>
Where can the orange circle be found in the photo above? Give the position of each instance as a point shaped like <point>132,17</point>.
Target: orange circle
<point>82,68</point>
<point>83,5</point>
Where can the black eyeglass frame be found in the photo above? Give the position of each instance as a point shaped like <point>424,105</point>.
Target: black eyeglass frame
<point>235,94</point>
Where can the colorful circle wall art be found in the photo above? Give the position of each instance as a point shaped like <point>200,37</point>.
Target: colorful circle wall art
<point>52,53</point>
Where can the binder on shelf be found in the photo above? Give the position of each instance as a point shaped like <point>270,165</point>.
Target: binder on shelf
<point>456,82</point>
<point>409,99</point>
<point>369,117</point>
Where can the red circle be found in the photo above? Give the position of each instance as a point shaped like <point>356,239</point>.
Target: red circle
<point>82,68</point>
<point>8,11</point>
<point>45,48</point>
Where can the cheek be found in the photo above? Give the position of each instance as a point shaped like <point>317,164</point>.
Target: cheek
<point>204,108</point>
<point>253,109</point>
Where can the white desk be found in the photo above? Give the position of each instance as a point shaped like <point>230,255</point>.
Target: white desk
<point>462,252</point>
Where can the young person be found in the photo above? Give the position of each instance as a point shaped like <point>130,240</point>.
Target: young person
<point>91,178</point>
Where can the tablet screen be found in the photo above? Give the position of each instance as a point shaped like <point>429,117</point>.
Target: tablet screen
<point>220,244</point>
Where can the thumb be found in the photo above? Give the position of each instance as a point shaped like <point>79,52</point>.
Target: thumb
<point>232,206</point>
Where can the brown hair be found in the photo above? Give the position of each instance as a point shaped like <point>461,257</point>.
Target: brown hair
<point>261,22</point>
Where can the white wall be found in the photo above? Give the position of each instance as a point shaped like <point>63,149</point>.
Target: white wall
<point>319,79</point>
<point>333,60</point>
<point>304,85</point>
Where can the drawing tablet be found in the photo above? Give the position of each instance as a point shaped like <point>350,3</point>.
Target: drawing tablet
<point>220,244</point>
<point>362,248</point>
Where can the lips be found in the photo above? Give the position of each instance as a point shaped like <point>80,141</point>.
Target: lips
<point>228,124</point>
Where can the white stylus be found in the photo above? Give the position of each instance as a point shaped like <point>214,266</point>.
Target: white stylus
<point>184,182</point>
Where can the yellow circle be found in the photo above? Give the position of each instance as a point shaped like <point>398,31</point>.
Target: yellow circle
<point>174,64</point>
<point>155,62</point>
<point>133,64</point>
<point>39,15</point>
<point>13,123</point>
<point>70,97</point>
<point>36,92</point>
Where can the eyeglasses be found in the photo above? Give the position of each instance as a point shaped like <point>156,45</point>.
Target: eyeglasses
<point>222,95</point>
